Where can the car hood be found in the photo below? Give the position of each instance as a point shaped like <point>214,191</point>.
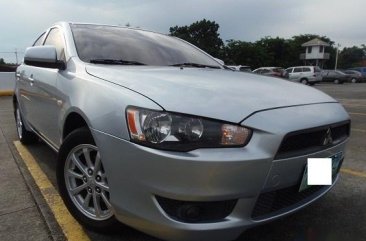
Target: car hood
<point>214,93</point>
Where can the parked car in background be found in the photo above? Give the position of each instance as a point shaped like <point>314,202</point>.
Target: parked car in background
<point>153,132</point>
<point>362,70</point>
<point>355,75</point>
<point>335,76</point>
<point>242,68</point>
<point>272,71</point>
<point>308,75</point>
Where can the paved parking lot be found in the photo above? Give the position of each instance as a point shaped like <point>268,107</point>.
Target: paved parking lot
<point>339,215</point>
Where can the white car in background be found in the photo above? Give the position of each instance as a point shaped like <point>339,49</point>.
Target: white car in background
<point>308,75</point>
<point>242,68</point>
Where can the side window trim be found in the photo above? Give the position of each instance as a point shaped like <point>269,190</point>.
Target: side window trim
<point>42,36</point>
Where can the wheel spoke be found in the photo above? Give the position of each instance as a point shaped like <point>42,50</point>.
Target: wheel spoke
<point>78,163</point>
<point>74,174</point>
<point>96,202</point>
<point>86,152</point>
<point>103,186</point>
<point>78,189</point>
<point>105,200</point>
<point>97,164</point>
<point>87,200</point>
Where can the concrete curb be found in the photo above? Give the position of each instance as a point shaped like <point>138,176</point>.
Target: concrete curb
<point>6,92</point>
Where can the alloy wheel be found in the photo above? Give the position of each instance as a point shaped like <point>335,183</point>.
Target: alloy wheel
<point>19,124</point>
<point>86,182</point>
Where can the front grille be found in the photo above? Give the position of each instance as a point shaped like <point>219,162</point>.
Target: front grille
<point>276,202</point>
<point>308,141</point>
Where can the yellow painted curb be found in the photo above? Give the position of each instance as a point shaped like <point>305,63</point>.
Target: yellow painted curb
<point>352,172</point>
<point>70,227</point>
<point>356,113</point>
<point>6,92</point>
<point>360,130</point>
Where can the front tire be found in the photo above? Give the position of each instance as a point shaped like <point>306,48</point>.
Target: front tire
<point>336,81</point>
<point>82,181</point>
<point>25,137</point>
<point>353,80</point>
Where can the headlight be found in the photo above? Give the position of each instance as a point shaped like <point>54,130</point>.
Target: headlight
<point>163,130</point>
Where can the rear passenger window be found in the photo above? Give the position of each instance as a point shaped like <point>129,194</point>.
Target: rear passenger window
<point>306,69</point>
<point>297,70</point>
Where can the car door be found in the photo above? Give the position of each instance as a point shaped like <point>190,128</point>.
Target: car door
<point>47,102</point>
<point>296,73</point>
<point>289,73</point>
<point>25,85</point>
<point>325,76</point>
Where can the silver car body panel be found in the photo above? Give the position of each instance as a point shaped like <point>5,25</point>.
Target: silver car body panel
<point>202,92</point>
<point>136,174</point>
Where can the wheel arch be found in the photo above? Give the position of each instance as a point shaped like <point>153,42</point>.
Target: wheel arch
<point>75,119</point>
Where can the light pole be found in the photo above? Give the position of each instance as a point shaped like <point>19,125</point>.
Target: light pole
<point>336,60</point>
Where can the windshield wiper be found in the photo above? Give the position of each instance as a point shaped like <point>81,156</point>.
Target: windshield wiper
<point>115,61</point>
<point>195,65</point>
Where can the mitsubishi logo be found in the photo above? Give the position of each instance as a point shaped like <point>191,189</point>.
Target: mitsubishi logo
<point>328,138</point>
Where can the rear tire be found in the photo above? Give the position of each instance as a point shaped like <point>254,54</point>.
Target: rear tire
<point>336,81</point>
<point>353,80</point>
<point>25,137</point>
<point>83,183</point>
<point>304,81</point>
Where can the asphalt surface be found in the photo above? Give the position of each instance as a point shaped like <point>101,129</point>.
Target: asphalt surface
<point>340,215</point>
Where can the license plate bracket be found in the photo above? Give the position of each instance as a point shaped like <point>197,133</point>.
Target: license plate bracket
<point>336,162</point>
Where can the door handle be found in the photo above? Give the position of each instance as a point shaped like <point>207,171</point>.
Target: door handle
<point>31,80</point>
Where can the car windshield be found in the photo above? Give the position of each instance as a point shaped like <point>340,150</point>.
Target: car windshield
<point>96,43</point>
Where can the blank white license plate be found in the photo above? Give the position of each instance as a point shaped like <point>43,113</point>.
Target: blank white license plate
<point>336,160</point>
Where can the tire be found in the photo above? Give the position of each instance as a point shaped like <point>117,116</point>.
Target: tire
<point>26,137</point>
<point>353,80</point>
<point>304,81</point>
<point>336,81</point>
<point>86,179</point>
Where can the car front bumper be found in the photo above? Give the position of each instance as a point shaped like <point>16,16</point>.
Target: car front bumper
<point>138,174</point>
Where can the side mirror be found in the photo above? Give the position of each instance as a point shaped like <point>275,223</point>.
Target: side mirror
<point>43,56</point>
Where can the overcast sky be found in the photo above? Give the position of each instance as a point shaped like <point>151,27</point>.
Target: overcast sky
<point>21,21</point>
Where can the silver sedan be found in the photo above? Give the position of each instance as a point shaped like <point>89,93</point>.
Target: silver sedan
<point>155,133</point>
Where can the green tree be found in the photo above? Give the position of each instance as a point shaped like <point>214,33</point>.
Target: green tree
<point>275,50</point>
<point>244,53</point>
<point>352,57</point>
<point>2,61</point>
<point>204,34</point>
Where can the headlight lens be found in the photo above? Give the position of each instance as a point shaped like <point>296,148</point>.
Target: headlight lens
<point>163,130</point>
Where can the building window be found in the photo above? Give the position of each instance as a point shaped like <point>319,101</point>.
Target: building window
<point>321,49</point>
<point>309,49</point>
